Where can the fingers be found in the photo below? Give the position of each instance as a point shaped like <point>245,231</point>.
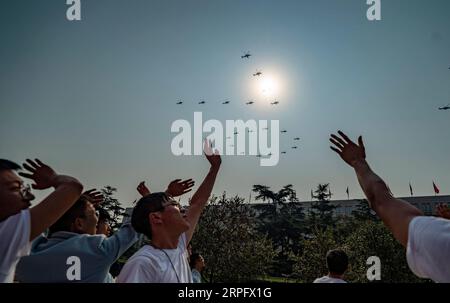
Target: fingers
<point>186,191</point>
<point>337,144</point>
<point>176,181</point>
<point>39,162</point>
<point>88,192</point>
<point>28,176</point>
<point>29,168</point>
<point>360,142</point>
<point>336,138</point>
<point>188,182</point>
<point>345,137</point>
<point>336,150</point>
<point>207,148</point>
<point>34,165</point>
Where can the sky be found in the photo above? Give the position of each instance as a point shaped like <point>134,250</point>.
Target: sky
<point>96,98</point>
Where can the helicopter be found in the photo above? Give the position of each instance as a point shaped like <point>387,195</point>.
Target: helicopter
<point>257,74</point>
<point>250,103</point>
<point>226,102</point>
<point>202,102</point>
<point>246,56</point>
<point>447,107</point>
<point>284,131</point>
<point>179,102</point>
<point>296,139</point>
<point>275,103</point>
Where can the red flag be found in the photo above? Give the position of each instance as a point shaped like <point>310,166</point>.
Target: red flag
<point>436,189</point>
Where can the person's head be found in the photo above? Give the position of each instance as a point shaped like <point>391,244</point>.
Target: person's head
<point>337,262</point>
<point>103,226</point>
<point>14,196</point>
<point>81,218</point>
<point>157,213</point>
<point>197,262</point>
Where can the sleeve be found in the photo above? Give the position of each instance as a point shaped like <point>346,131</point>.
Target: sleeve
<point>119,242</point>
<point>14,240</point>
<point>428,248</point>
<point>138,271</point>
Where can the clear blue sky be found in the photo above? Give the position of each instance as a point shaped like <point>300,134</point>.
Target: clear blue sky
<point>96,98</point>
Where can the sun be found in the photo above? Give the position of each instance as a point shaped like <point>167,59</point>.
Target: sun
<point>268,86</point>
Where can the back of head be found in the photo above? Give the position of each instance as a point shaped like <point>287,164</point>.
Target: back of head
<point>193,260</point>
<point>337,261</point>
<point>8,165</point>
<point>65,222</point>
<point>146,205</point>
<point>103,215</point>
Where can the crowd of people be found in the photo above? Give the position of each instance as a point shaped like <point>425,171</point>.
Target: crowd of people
<point>42,243</point>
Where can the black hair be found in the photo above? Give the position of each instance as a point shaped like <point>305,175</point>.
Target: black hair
<point>65,222</point>
<point>103,215</point>
<point>193,259</point>
<point>8,165</point>
<point>337,261</point>
<point>146,205</point>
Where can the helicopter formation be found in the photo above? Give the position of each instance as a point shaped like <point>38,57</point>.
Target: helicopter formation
<point>258,73</point>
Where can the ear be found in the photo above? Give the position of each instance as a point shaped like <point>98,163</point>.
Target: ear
<point>78,224</point>
<point>155,218</point>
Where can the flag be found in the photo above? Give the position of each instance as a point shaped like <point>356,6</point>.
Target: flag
<point>410,189</point>
<point>436,189</point>
<point>348,193</point>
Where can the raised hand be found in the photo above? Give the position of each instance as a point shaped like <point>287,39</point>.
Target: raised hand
<point>43,175</point>
<point>94,196</point>
<point>143,189</point>
<point>350,152</point>
<point>213,157</point>
<point>177,187</point>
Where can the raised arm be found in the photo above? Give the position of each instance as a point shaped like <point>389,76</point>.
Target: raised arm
<point>395,213</point>
<point>201,196</point>
<point>67,191</point>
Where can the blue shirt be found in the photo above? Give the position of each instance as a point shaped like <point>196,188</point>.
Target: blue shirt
<point>50,259</point>
<point>196,276</point>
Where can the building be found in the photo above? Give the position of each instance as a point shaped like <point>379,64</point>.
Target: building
<point>427,204</point>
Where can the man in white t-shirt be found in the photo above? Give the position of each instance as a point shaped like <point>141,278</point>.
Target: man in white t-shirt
<point>337,263</point>
<point>427,239</point>
<point>158,217</point>
<point>19,224</point>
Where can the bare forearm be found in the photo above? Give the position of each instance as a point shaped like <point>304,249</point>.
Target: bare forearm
<point>373,186</point>
<point>67,192</point>
<point>395,213</point>
<point>203,193</point>
<point>199,201</point>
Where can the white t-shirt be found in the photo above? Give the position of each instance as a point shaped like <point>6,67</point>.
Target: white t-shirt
<point>327,279</point>
<point>428,251</point>
<point>14,243</point>
<point>152,265</point>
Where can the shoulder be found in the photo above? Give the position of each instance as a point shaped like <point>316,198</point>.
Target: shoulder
<point>20,218</point>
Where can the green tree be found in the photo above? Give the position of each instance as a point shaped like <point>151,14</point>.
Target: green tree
<point>374,239</point>
<point>282,220</point>
<point>363,212</point>
<point>227,238</point>
<point>311,263</point>
<point>322,211</point>
<point>112,206</point>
